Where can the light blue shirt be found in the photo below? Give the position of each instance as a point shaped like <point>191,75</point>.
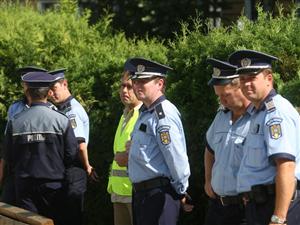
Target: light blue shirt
<point>78,118</point>
<point>225,140</point>
<point>158,147</point>
<point>274,133</point>
<point>16,107</point>
<point>21,105</point>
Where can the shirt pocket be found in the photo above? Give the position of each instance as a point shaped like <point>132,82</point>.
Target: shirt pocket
<point>256,153</point>
<point>217,142</point>
<point>144,147</point>
<point>238,152</point>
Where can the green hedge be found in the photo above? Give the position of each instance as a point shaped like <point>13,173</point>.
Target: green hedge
<point>94,56</point>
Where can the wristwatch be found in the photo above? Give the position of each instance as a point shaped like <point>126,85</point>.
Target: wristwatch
<point>277,220</point>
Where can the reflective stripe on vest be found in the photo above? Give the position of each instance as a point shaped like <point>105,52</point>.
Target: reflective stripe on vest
<point>119,173</point>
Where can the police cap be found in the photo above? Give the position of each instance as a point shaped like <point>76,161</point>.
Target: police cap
<point>129,67</point>
<point>251,62</point>
<point>28,69</point>
<point>144,68</point>
<point>223,72</point>
<point>38,79</point>
<point>58,74</point>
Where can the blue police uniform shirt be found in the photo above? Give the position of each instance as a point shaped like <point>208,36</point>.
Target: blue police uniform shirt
<point>274,133</point>
<point>78,118</point>
<point>225,140</point>
<point>17,107</point>
<point>21,105</point>
<point>158,147</point>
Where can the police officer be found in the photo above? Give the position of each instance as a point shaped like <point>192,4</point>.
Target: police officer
<point>119,185</point>
<point>79,119</point>
<point>268,179</point>
<point>158,164</point>
<point>8,186</point>
<point>224,142</point>
<point>39,145</point>
<point>24,103</point>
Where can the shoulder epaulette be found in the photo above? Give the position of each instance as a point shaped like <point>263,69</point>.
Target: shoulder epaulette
<point>159,111</point>
<point>270,106</point>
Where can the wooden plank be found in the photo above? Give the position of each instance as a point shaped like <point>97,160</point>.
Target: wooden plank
<point>8,221</point>
<point>23,215</point>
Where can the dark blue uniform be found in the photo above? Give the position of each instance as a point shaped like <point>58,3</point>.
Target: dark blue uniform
<point>40,143</point>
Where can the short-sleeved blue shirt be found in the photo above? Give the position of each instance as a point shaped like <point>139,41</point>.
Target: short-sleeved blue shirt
<point>274,133</point>
<point>225,140</point>
<point>158,147</point>
<point>78,118</point>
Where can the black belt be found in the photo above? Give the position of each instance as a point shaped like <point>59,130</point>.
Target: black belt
<point>260,193</point>
<point>150,184</point>
<point>230,200</point>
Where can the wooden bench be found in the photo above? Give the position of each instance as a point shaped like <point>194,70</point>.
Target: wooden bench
<point>12,215</point>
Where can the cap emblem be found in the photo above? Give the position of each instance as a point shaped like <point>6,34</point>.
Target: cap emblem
<point>245,62</point>
<point>216,72</point>
<point>140,68</point>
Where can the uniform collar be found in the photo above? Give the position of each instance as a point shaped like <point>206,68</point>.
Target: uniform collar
<point>38,104</point>
<point>62,106</point>
<point>251,109</point>
<point>151,107</point>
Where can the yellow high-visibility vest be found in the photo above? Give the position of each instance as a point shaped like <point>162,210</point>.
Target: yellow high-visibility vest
<point>119,182</point>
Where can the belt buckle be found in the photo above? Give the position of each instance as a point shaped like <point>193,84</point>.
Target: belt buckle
<point>245,199</point>
<point>221,200</point>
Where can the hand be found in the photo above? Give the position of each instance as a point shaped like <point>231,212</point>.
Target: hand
<point>186,203</point>
<point>209,190</point>
<point>92,174</point>
<point>121,158</point>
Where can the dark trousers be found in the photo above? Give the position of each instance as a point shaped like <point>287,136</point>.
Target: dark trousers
<point>40,196</point>
<point>217,214</point>
<point>157,206</point>
<point>8,194</point>
<point>73,210</point>
<point>260,213</point>
<point>74,189</point>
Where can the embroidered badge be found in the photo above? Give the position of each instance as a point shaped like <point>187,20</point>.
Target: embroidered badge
<point>275,127</point>
<point>245,62</point>
<point>216,72</point>
<point>164,135</point>
<point>270,105</point>
<point>140,68</point>
<point>73,120</point>
<point>275,131</point>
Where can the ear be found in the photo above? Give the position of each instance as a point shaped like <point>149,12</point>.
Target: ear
<point>65,83</point>
<point>50,92</point>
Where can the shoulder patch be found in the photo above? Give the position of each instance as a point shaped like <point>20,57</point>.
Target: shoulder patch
<point>164,134</point>
<point>275,127</point>
<point>159,111</point>
<point>270,105</point>
<point>73,120</point>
